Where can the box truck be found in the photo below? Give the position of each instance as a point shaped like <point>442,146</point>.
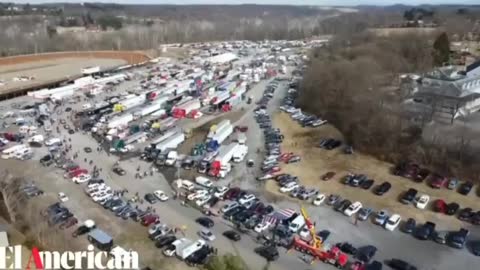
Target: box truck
<point>240,153</point>
<point>121,120</point>
<point>187,248</point>
<point>223,134</point>
<point>218,127</point>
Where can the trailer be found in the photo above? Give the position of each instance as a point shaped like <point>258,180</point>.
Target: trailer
<point>146,110</point>
<point>186,108</point>
<point>131,102</point>
<point>240,153</point>
<point>172,142</point>
<point>165,136</point>
<point>223,134</point>
<point>217,128</point>
<point>165,124</point>
<point>219,97</point>
<point>121,120</point>
<point>137,137</point>
<point>186,247</point>
<point>225,155</point>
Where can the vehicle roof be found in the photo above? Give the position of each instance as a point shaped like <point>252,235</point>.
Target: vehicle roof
<point>100,236</point>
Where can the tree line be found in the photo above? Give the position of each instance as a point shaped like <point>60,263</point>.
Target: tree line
<point>355,84</point>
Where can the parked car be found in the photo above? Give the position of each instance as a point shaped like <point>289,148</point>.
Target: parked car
<point>319,199</point>
<point>160,195</point>
<point>465,188</point>
<point>452,183</point>
<point>206,234</point>
<point>342,206</point>
<point>398,264</point>
<point>392,222</point>
<point>367,184</point>
<point>353,209</point>
<point>366,253</point>
<point>232,235</point>
<point>409,196</point>
<point>381,217</point>
<point>333,198</point>
<point>119,170</point>
<point>452,208</point>
<point>438,181</point>
<point>474,247</point>
<point>205,222</point>
<point>422,201</point>
<point>440,206</point>
<point>150,198</point>
<point>382,188</point>
<point>347,248</point>
<point>440,237</point>
<point>425,231</point>
<point>458,239</point>
<point>465,214</point>
<point>364,213</point>
<point>270,253</point>
<point>409,226</point>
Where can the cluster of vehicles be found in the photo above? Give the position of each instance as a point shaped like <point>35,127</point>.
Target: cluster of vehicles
<point>60,216</point>
<point>305,120</point>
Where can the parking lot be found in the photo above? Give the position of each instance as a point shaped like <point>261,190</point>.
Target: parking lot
<point>98,174</point>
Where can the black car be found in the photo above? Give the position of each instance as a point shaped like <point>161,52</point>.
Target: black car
<point>452,208</point>
<point>366,253</point>
<point>475,219</point>
<point>409,196</point>
<point>400,265</point>
<point>465,188</point>
<point>165,241</point>
<point>458,239</point>
<point>347,248</point>
<point>409,226</point>
<point>232,235</point>
<point>474,247</point>
<point>375,265</point>
<point>268,252</point>
<point>119,170</point>
<point>465,214</point>
<point>205,222</point>
<point>150,198</point>
<point>333,144</point>
<point>341,206</point>
<point>425,231</point>
<point>367,184</point>
<point>71,131</point>
<point>382,188</point>
<point>46,160</point>
<point>87,149</point>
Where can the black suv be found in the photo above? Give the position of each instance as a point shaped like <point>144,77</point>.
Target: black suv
<point>382,188</point>
<point>425,231</point>
<point>458,239</point>
<point>409,196</point>
<point>268,252</point>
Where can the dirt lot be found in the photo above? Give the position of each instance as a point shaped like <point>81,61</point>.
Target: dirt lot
<point>316,162</point>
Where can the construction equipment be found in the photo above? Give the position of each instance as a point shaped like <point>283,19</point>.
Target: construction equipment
<point>315,247</point>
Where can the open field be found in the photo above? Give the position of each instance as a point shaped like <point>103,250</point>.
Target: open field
<point>316,162</point>
<point>52,67</point>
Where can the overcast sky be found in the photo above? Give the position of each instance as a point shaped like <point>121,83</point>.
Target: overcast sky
<point>269,2</point>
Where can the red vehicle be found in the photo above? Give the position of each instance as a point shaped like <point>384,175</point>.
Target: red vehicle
<point>328,176</point>
<point>438,181</point>
<point>71,169</point>
<point>440,206</point>
<point>76,173</point>
<point>150,219</point>
<point>285,156</point>
<point>232,193</point>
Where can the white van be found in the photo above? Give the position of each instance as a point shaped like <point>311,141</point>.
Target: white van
<point>12,151</point>
<point>296,224</point>
<point>203,181</point>
<point>53,141</point>
<point>185,184</point>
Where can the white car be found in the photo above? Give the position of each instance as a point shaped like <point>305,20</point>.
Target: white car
<point>220,191</point>
<point>422,201</point>
<point>62,197</point>
<point>393,222</point>
<point>353,209</point>
<point>203,200</point>
<point>82,178</point>
<point>102,196</point>
<point>160,195</point>
<point>247,198</point>
<point>197,194</point>
<point>207,235</point>
<point>289,187</point>
<point>319,199</point>
<point>262,226</point>
<point>304,233</point>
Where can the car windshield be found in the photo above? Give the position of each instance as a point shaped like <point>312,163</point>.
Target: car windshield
<point>392,221</point>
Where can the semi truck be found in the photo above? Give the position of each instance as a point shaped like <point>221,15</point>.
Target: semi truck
<point>214,129</point>
<point>223,134</point>
<point>121,120</point>
<point>147,110</point>
<point>186,108</point>
<point>172,142</point>
<point>220,167</point>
